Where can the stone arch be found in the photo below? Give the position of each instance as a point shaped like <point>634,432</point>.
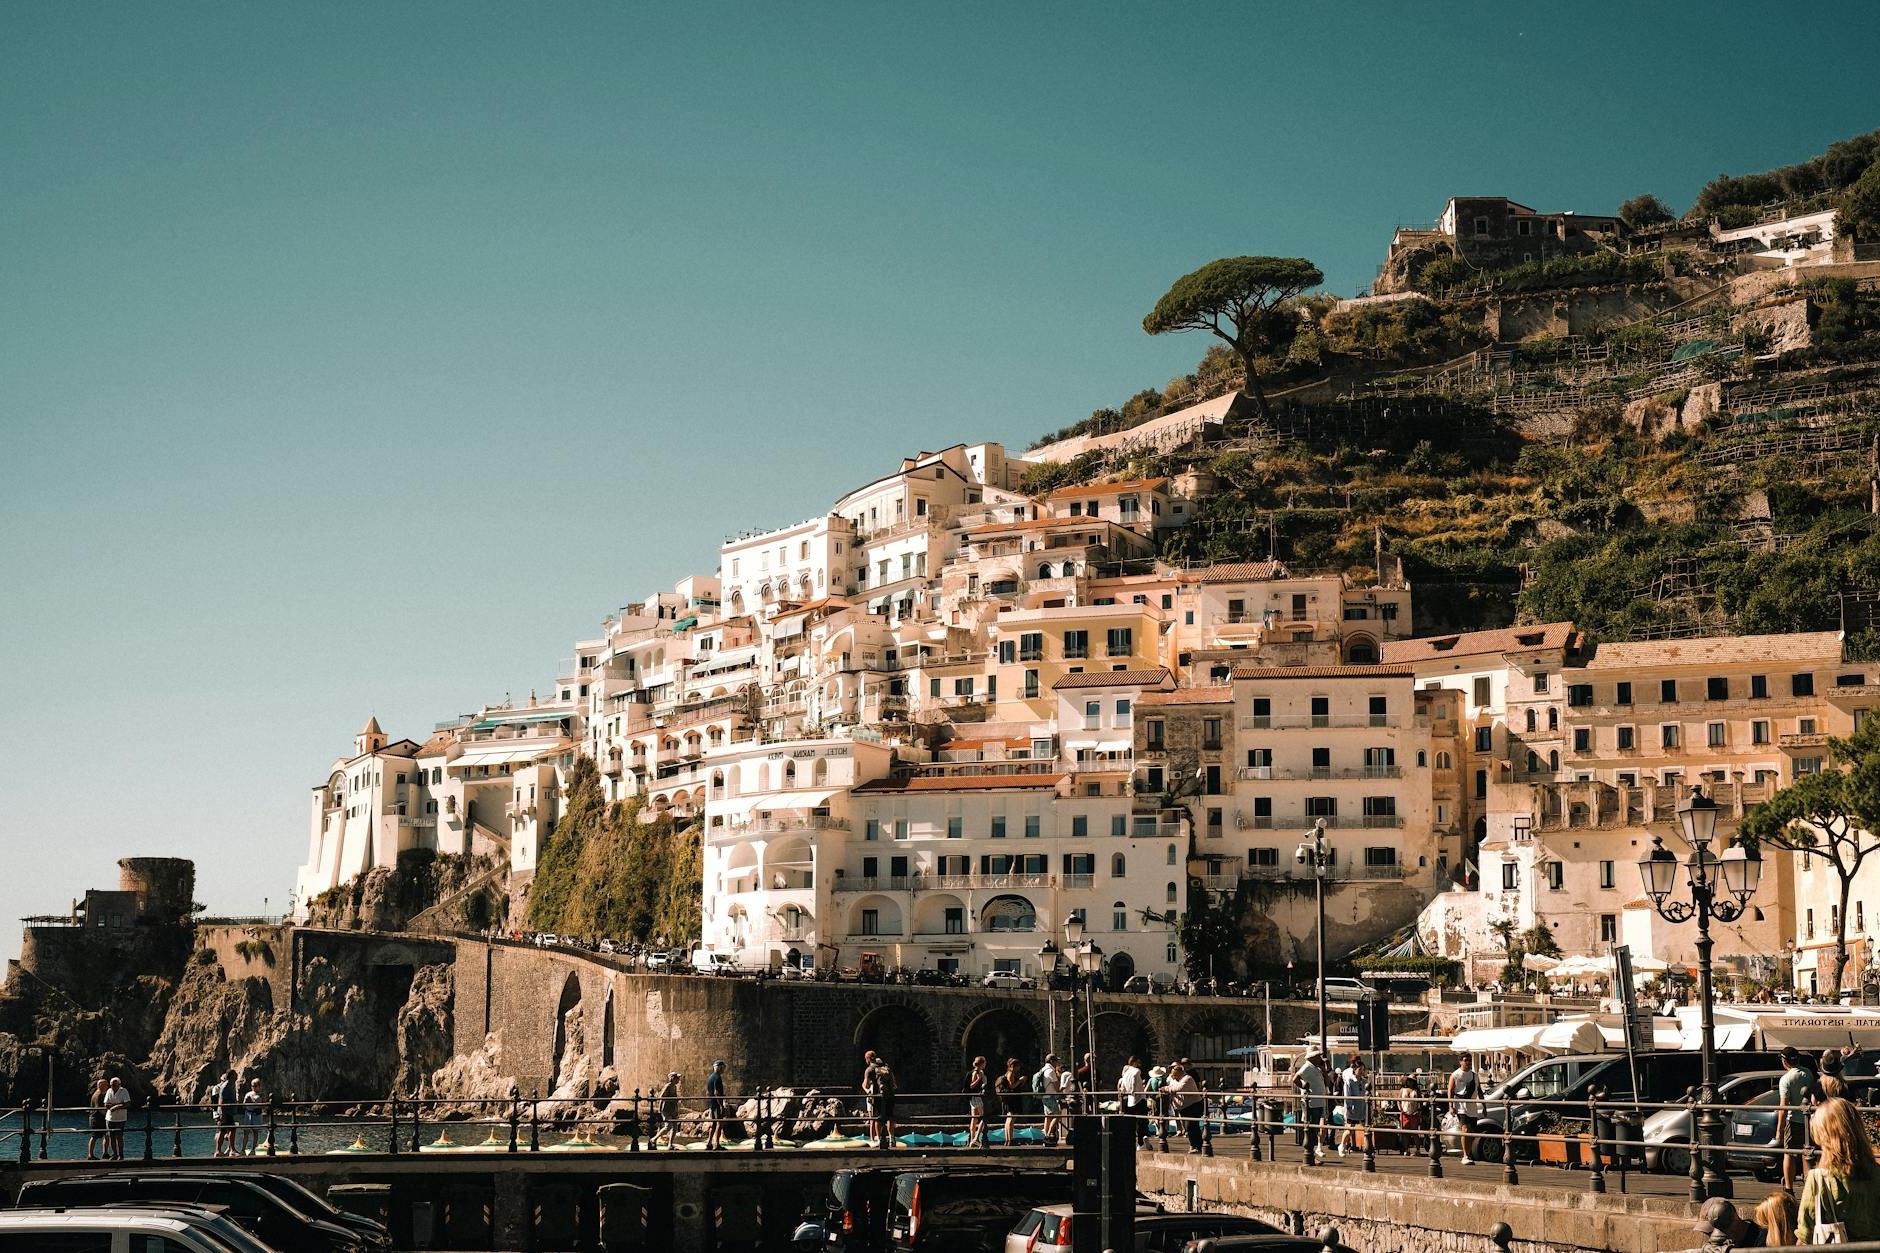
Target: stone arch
<point>1121,1035</point>
<point>1361,650</point>
<point>905,1037</point>
<point>997,1032</point>
<point>567,1029</point>
<point>1118,969</point>
<point>1207,1037</point>
<point>607,1026</point>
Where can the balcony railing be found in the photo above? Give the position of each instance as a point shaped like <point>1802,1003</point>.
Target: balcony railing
<point>942,882</point>
<point>1319,772</point>
<point>1101,766</point>
<point>1078,880</point>
<point>1336,873</point>
<point>1303,722</point>
<point>1000,766</point>
<point>1349,822</point>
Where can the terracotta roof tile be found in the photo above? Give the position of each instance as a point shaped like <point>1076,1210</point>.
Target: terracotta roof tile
<point>1243,571</point>
<point>1323,672</point>
<point>965,783</point>
<point>1719,650</point>
<point>1113,678</point>
<point>1516,639</point>
<point>1108,489</point>
<point>438,743</point>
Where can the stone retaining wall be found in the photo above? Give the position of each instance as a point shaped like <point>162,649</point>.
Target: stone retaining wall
<point>1387,1213</point>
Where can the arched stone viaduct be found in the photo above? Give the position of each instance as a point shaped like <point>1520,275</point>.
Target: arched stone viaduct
<point>813,1034</point>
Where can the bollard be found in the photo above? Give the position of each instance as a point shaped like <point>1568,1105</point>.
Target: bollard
<point>633,1123</point>
<point>417,1118</point>
<point>150,1127</point>
<point>1256,1121</point>
<point>45,1131</point>
<point>1370,1134</point>
<point>1272,1130</point>
<point>1436,1140</point>
<point>1329,1240</point>
<point>293,1127</point>
<point>1501,1235</point>
<point>26,1132</point>
<point>1697,1156</point>
<point>535,1121</point>
<point>1598,1182</point>
<point>515,1118</point>
<point>757,1120</point>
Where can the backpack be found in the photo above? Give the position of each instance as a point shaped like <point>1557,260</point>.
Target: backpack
<point>884,1080</point>
<point>1038,1082</point>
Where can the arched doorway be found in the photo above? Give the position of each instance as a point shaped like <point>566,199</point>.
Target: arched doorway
<point>904,1039</point>
<point>568,1031</point>
<point>1120,970</point>
<point>1120,1036</point>
<point>1001,1033</point>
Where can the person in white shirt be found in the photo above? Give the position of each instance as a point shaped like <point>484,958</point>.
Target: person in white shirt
<point>1129,1089</point>
<point>117,1114</point>
<point>1186,1103</point>
<point>1045,1083</point>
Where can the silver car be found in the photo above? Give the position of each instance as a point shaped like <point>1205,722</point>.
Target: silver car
<point>1667,1133</point>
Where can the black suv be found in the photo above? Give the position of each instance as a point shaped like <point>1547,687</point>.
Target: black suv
<point>281,1224</point>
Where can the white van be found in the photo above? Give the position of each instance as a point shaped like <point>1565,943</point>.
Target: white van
<point>706,962</point>
<point>123,1230</point>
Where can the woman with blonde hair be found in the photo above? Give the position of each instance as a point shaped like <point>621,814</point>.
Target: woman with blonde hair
<point>1840,1200</point>
<point>1776,1216</point>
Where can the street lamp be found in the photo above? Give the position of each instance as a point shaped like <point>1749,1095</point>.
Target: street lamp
<point>1314,853</point>
<point>1720,889</point>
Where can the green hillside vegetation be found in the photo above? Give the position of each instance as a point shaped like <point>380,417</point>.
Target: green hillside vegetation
<point>602,872</point>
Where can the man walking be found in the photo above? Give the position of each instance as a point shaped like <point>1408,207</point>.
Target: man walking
<point>1045,1084</point>
<point>224,1100</point>
<point>715,1106</point>
<point>1797,1089</point>
<point>1465,1102</point>
<point>1309,1079</point>
<point>669,1111</point>
<point>1129,1088</point>
<point>1354,1093</point>
<point>117,1114</point>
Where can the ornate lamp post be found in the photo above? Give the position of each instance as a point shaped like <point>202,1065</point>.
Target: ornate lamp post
<point>1720,888</point>
<point>1314,853</point>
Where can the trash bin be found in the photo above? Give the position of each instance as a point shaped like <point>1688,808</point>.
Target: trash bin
<point>1621,1136</point>
<point>367,1200</point>
<point>626,1217</point>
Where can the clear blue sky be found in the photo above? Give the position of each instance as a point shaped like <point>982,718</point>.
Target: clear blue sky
<point>358,357</point>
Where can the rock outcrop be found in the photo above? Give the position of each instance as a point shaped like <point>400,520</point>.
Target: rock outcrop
<point>386,898</point>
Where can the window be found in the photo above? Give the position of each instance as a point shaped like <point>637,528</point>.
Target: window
<point>955,828</point>
<point>1122,713</point>
<point>900,828</point>
<point>1321,711</point>
<point>1667,691</point>
<point>1214,824</point>
<point>1119,917</point>
<point>1668,735</point>
<point>1860,915</point>
<point>1481,691</point>
<point>1211,780</point>
<point>1169,894</point>
<point>1622,694</point>
<point>1008,652</point>
<point>1171,854</point>
<point>1713,735</point>
<point>1579,695</point>
<point>871,922</point>
<point>1093,714</point>
<point>1080,825</point>
<point>1152,731</point>
<point>1031,646</point>
<point>1717,688</point>
<point>1510,876</point>
<point>1628,738</point>
<point>1211,733</point>
<point>998,827</point>
<point>1608,929</point>
<point>1120,641</point>
<point>1801,685</point>
<point>1531,722</point>
<point>1809,932</point>
<point>1556,875</point>
<point>1031,826</point>
<point>1804,726</point>
<point>1076,644</point>
<point>1117,865</point>
<point>1380,856</point>
<point>1582,739</point>
<point>1540,685</point>
<point>1119,825</point>
<point>1807,765</point>
<point>1758,687</point>
<point>1263,857</point>
<point>1485,739</point>
<point>1380,710</point>
<point>1759,731</point>
<point>1321,807</point>
<point>1322,762</point>
<point>955,923</point>
<point>1030,690</point>
<point>1262,713</point>
<point>871,829</point>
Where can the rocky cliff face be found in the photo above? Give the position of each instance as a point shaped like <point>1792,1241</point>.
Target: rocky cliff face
<point>386,898</point>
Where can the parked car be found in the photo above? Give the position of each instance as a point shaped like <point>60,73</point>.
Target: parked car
<point>1009,979</point>
<point>277,1223</point>
<point>1750,1134</point>
<point>1557,1087</point>
<point>607,946</point>
<point>660,960</point>
<point>1667,1133</point>
<point>1341,989</point>
<point>547,939</point>
<point>954,1211</point>
<point>122,1229</point>
<point>706,962</point>
<point>291,1192</point>
<point>1047,1229</point>
<point>1149,985</point>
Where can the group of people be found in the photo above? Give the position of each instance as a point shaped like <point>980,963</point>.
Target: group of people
<point>110,1114</point>
<point>1840,1196</point>
<point>239,1114</point>
<point>1345,1101</point>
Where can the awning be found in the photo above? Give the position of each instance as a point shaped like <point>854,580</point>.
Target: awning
<point>812,798</point>
<point>522,717</point>
<point>501,756</point>
<point>1496,1040</point>
<point>685,624</point>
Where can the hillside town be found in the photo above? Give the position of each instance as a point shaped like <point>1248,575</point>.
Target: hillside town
<point>936,721</point>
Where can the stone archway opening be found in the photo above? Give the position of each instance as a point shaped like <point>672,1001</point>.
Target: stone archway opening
<point>607,1028</point>
<point>903,1037</point>
<point>1001,1033</point>
<point>1211,1040</point>
<point>1120,1036</point>
<point>567,1031</point>
<point>1119,970</point>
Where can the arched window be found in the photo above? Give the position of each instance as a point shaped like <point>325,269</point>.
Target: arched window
<point>1362,652</point>
<point>1553,760</point>
<point>1070,568</point>
<point>789,774</point>
<point>819,773</point>
<point>1171,854</point>
<point>1170,893</point>
<point>1533,762</point>
<point>718,783</point>
<point>1553,719</point>
<point>1444,761</point>
<point>1044,569</point>
<point>1119,917</point>
<point>1422,759</point>
<point>1116,865</point>
<point>1530,719</point>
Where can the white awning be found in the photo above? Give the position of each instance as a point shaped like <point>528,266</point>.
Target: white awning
<point>500,756</point>
<point>1496,1040</point>
<point>812,798</point>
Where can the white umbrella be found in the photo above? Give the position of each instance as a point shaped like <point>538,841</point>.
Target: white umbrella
<point>1571,1035</point>
<point>1535,961</point>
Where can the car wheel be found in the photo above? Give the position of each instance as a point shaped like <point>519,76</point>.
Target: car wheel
<point>1487,1149</point>
<point>1674,1159</point>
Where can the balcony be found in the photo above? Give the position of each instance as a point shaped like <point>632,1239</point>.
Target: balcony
<point>419,821</point>
<point>1120,765</point>
<point>944,882</point>
<point>1078,881</point>
<point>775,826</point>
<point>1336,873</point>
<point>997,766</point>
<point>1314,722</point>
<point>1336,822</point>
<point>1810,739</point>
<point>1318,772</point>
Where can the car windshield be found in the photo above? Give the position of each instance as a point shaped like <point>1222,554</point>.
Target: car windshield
<point>1544,1083</point>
